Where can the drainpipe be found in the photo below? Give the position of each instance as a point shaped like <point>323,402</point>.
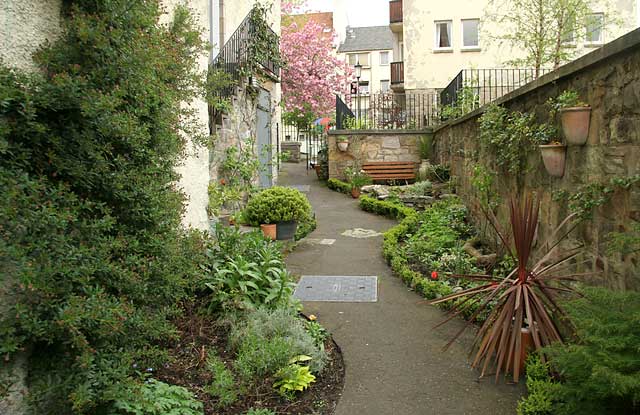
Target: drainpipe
<point>222,28</point>
<point>215,29</point>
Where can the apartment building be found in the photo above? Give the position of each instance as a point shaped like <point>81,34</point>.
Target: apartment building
<point>434,41</point>
<point>372,49</point>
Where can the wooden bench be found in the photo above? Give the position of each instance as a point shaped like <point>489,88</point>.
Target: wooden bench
<point>390,170</point>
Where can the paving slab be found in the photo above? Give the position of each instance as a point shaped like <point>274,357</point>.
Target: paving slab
<point>393,355</point>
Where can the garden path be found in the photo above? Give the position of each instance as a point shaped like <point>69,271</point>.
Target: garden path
<point>393,356</point>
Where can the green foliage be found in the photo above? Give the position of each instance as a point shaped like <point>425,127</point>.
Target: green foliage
<point>218,80</point>
<point>294,377</point>
<point>509,136</point>
<point>466,101</point>
<point>339,186</point>
<point>92,253</point>
<point>223,386</point>
<point>259,412</point>
<point>482,181</point>
<point>390,209</point>
<point>265,44</point>
<point>568,98</point>
<point>157,398</point>
<point>601,373</point>
<point>624,243</point>
<point>357,177</point>
<point>266,341</point>
<point>317,332</point>
<point>247,271</point>
<point>277,204</point>
<point>439,172</point>
<point>425,145</point>
<point>422,188</point>
<point>305,227</point>
<point>541,389</point>
<point>353,123</point>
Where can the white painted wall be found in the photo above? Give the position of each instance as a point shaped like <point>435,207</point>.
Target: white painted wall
<point>426,68</point>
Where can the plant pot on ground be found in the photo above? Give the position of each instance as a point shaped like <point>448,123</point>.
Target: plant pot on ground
<point>280,206</point>
<point>343,143</point>
<point>286,230</point>
<point>357,178</point>
<point>269,230</point>
<point>355,192</point>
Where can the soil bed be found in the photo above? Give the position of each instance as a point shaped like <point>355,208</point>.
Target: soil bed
<point>198,334</point>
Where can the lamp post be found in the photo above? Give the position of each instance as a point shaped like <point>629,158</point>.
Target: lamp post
<point>358,69</point>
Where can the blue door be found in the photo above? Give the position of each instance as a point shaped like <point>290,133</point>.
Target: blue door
<point>263,133</point>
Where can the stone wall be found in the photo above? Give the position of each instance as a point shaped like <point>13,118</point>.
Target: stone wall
<point>371,146</point>
<point>609,81</point>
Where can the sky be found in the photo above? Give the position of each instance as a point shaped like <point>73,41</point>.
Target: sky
<point>359,12</point>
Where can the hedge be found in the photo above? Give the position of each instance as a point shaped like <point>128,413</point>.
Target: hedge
<point>339,186</point>
<point>393,210</point>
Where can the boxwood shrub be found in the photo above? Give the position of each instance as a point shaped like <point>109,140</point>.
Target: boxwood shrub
<point>339,186</point>
<point>277,204</point>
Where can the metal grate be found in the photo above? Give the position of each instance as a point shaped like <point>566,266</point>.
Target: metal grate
<point>353,289</point>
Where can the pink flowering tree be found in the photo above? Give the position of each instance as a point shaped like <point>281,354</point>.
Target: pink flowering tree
<point>313,74</point>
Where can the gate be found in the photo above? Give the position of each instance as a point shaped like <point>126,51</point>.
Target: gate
<point>263,133</point>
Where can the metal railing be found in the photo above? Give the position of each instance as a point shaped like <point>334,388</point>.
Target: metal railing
<point>236,53</point>
<point>395,11</point>
<point>311,138</point>
<point>397,73</point>
<point>390,111</point>
<point>483,86</point>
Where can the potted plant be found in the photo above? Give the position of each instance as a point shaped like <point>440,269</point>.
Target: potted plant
<point>575,117</point>
<point>322,166</point>
<point>342,142</point>
<point>553,152</point>
<point>282,207</point>
<point>357,178</point>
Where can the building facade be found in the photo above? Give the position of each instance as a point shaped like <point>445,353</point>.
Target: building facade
<point>433,41</point>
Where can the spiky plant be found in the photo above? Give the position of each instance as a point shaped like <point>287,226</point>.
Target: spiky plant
<point>526,298</point>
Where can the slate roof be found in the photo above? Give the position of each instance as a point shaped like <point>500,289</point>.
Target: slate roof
<point>367,38</point>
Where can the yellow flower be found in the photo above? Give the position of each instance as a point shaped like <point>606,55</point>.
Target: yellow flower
<point>312,317</point>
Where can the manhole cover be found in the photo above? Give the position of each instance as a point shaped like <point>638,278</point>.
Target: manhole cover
<point>356,289</point>
<point>304,188</point>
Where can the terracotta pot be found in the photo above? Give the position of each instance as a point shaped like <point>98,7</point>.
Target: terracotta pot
<point>269,230</point>
<point>343,145</point>
<point>575,124</point>
<point>554,156</point>
<point>355,192</point>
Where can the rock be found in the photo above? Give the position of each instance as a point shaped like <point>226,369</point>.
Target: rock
<point>370,188</point>
<point>447,196</point>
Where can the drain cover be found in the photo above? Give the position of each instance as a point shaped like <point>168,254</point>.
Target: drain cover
<point>355,289</point>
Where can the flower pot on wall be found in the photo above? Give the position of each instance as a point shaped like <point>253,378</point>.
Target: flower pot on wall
<point>286,230</point>
<point>343,145</point>
<point>575,124</point>
<point>269,230</point>
<point>554,157</point>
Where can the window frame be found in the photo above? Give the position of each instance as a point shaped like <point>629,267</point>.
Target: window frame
<point>473,48</point>
<point>357,55</point>
<point>388,81</point>
<point>384,52</point>
<point>365,84</point>
<point>590,43</point>
<point>436,42</point>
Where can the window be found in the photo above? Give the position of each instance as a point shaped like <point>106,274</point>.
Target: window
<point>470,33</point>
<point>384,86</point>
<point>361,58</point>
<point>384,58</point>
<point>595,23</point>
<point>443,35</point>
<point>364,87</point>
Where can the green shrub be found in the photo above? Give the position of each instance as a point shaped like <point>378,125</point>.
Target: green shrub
<point>223,385</point>
<point>394,210</point>
<point>259,412</point>
<point>600,374</point>
<point>92,253</point>
<point>157,398</point>
<point>317,332</point>
<point>277,204</point>
<point>247,271</point>
<point>432,289</point>
<point>541,389</point>
<point>294,377</point>
<point>339,186</point>
<point>305,227</point>
<point>265,341</point>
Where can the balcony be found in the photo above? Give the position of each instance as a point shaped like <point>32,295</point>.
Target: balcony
<point>395,15</point>
<point>397,76</point>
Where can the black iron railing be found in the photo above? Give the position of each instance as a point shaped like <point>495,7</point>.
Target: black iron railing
<point>486,85</point>
<point>236,54</point>
<point>388,111</point>
<point>343,113</point>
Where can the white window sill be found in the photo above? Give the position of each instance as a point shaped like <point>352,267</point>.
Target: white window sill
<point>593,44</point>
<point>471,49</point>
<point>569,45</point>
<point>443,50</point>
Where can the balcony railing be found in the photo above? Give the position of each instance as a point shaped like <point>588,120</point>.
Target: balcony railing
<point>397,73</point>
<point>395,11</point>
<point>483,86</point>
<point>236,54</point>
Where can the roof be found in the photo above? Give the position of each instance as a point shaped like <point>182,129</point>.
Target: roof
<point>367,38</point>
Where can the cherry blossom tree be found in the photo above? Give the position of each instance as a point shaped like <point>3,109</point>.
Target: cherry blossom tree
<point>313,74</point>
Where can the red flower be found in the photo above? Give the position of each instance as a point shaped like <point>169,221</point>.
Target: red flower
<point>434,275</point>
<point>222,182</point>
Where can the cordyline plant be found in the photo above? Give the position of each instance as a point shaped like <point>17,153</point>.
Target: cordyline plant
<point>526,298</point>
